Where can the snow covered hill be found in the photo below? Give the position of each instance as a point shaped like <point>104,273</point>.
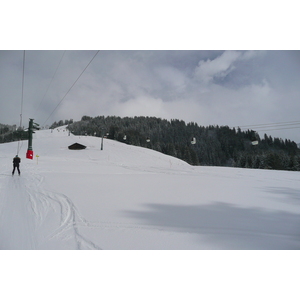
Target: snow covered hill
<point>127,197</point>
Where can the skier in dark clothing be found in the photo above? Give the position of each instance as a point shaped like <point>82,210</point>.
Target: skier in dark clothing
<point>16,163</point>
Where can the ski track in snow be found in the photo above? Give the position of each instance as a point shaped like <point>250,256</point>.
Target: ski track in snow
<point>27,203</point>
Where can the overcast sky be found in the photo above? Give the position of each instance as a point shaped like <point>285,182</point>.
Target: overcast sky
<point>233,88</point>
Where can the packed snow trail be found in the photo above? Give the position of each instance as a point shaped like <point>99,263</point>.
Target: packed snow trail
<point>16,210</point>
<point>34,218</point>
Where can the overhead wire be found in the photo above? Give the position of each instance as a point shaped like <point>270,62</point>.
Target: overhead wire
<point>22,97</point>
<point>271,126</point>
<point>71,87</point>
<point>279,128</point>
<point>22,100</point>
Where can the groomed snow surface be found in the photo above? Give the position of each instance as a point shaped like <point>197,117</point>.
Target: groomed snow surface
<point>128,197</point>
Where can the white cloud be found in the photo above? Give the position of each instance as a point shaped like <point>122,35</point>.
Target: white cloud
<point>220,66</point>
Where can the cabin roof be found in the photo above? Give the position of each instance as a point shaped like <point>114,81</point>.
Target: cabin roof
<point>76,146</point>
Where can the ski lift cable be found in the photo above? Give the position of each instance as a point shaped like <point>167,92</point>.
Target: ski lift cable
<point>270,124</point>
<point>282,125</point>
<point>22,100</point>
<point>50,81</point>
<point>278,128</point>
<point>22,96</point>
<point>71,87</point>
<point>275,127</point>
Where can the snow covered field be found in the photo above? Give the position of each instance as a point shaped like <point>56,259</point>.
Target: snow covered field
<point>127,197</point>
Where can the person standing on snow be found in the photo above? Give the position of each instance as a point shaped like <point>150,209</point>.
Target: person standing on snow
<point>16,163</point>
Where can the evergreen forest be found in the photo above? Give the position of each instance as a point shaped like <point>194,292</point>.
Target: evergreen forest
<point>197,145</point>
<point>10,133</point>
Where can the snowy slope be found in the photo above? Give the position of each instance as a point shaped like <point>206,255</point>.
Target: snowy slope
<point>127,197</point>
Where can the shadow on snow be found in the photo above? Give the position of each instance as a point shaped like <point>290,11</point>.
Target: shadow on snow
<point>225,226</point>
